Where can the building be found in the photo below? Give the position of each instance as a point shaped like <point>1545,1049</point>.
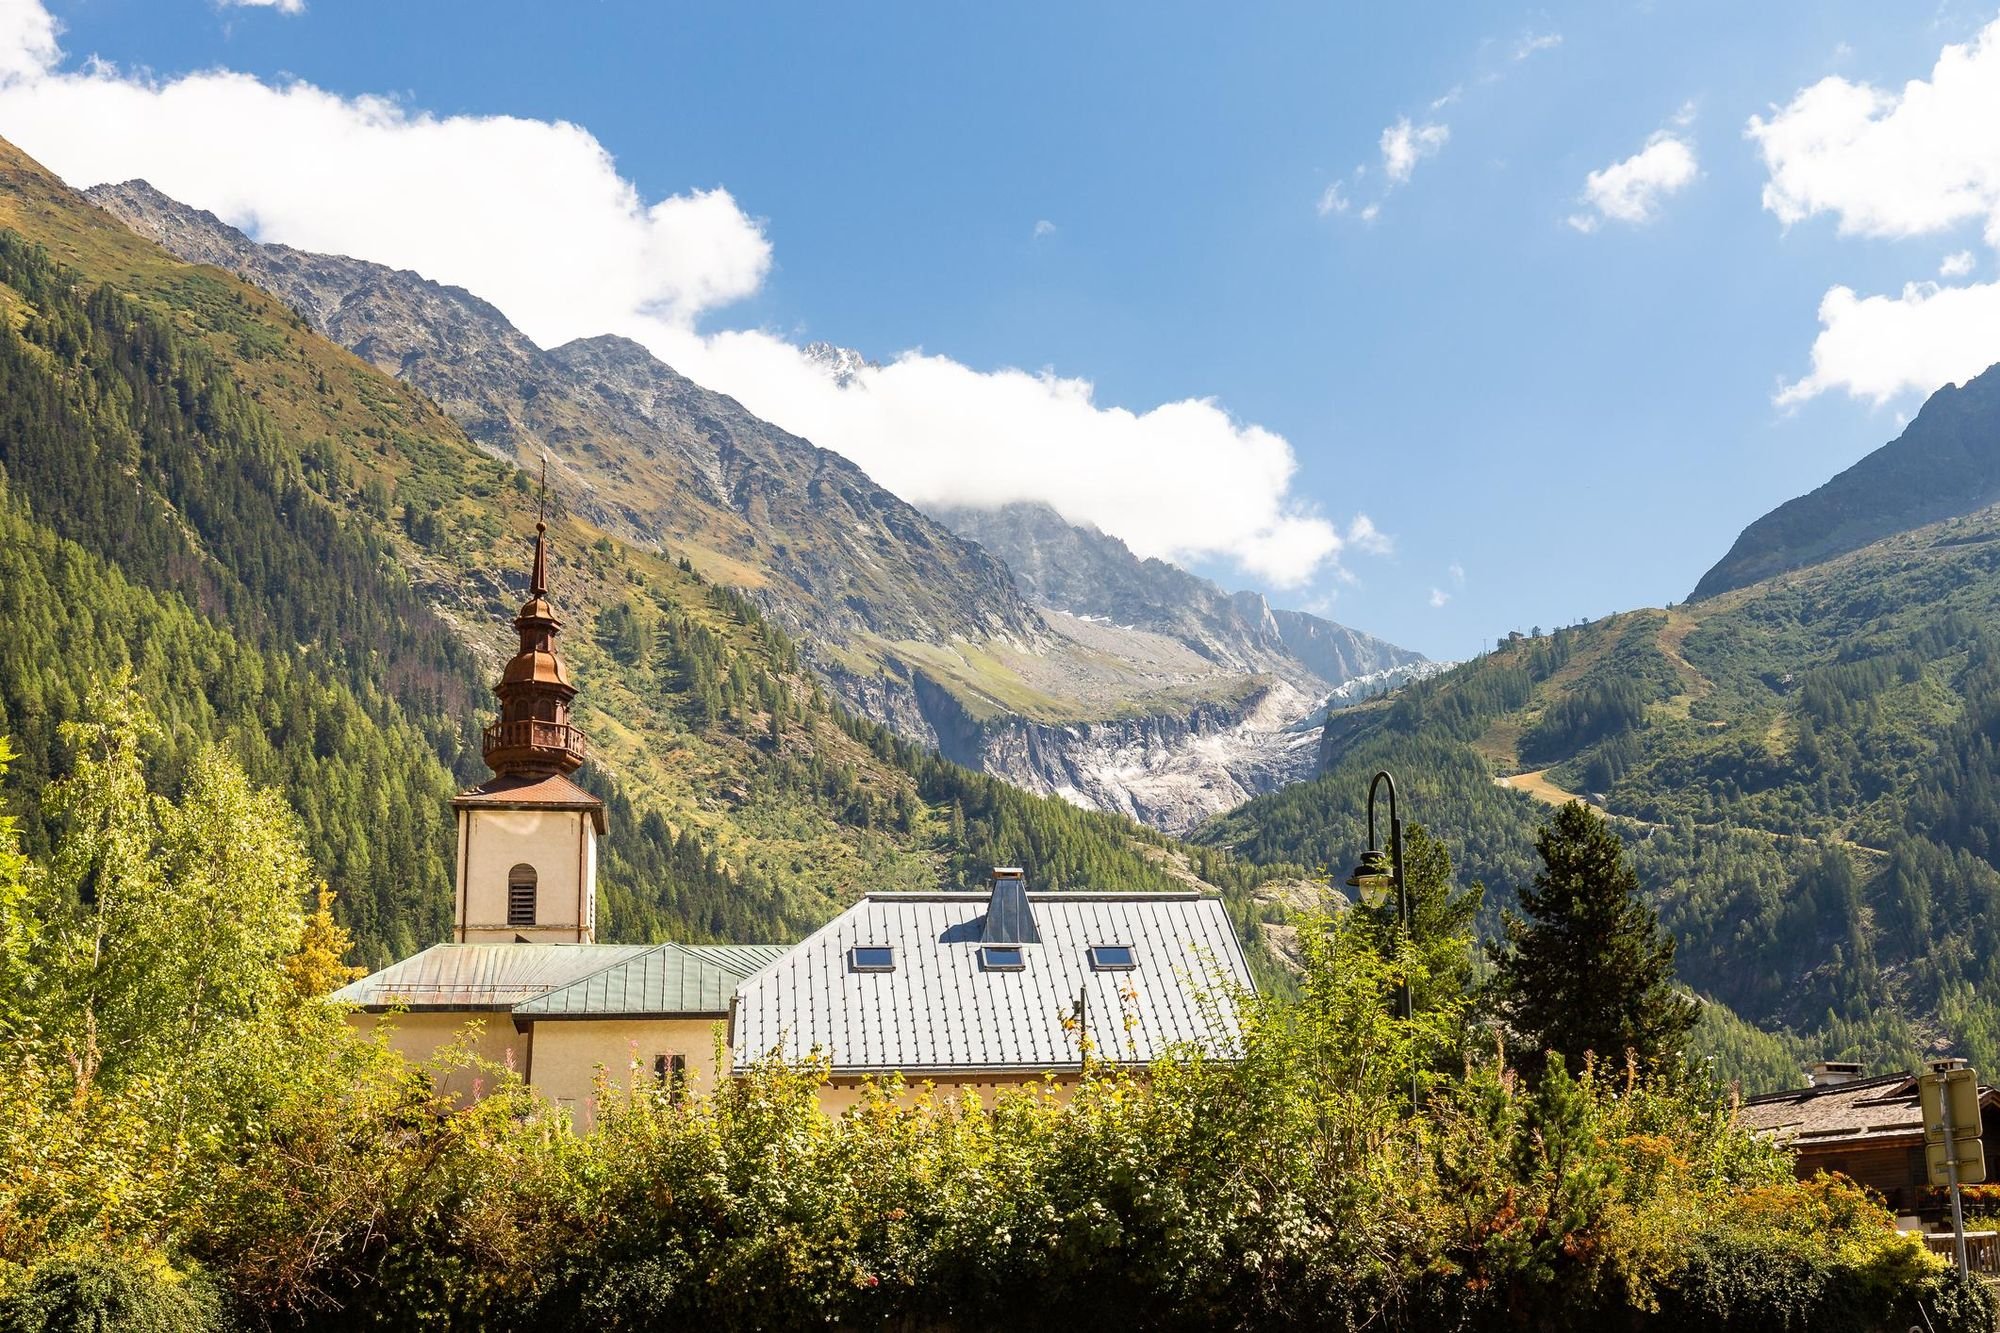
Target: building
<point>523,984</point>
<point>649,1016</point>
<point>975,989</point>
<point>1870,1130</point>
<point>987,991</point>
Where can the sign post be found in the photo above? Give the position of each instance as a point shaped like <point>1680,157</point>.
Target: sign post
<point>1949,1095</point>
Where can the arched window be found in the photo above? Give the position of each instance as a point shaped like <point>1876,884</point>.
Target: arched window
<point>521,895</point>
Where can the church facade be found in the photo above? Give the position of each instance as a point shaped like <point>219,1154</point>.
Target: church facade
<point>963,989</point>
<point>523,984</point>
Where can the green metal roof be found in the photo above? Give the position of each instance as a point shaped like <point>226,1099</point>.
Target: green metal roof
<point>666,979</point>
<point>742,959</point>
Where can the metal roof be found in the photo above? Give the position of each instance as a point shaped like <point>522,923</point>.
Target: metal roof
<point>481,976</point>
<point>938,1012</point>
<point>665,979</point>
<point>742,959</point>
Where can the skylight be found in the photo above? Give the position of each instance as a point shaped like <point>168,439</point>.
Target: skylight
<point>1112,958</point>
<point>871,958</point>
<point>1003,958</point>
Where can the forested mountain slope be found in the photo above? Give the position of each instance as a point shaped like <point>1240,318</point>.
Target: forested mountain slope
<point>905,622</point>
<point>295,553</point>
<point>1809,769</point>
<point>1944,464</point>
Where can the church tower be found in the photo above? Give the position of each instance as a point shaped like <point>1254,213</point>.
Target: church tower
<point>527,839</point>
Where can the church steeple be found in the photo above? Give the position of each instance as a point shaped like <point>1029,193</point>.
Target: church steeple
<point>534,737</point>
<point>527,837</point>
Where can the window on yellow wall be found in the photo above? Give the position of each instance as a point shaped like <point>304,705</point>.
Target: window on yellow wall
<point>521,895</point>
<point>670,1073</point>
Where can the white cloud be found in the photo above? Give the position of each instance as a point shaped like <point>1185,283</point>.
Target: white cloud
<point>1439,597</point>
<point>1404,145</point>
<point>531,215</point>
<point>1370,213</point>
<point>1630,191</point>
<point>1892,163</point>
<point>1332,200</point>
<point>535,217</point>
<point>1457,573</point>
<point>282,6</point>
<point>1365,537</point>
<point>1531,42</point>
<point>27,39</point>
<point>1044,227</point>
<point>1920,160</point>
<point>1877,347</point>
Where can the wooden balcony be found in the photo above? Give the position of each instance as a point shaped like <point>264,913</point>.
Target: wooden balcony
<point>510,739</point>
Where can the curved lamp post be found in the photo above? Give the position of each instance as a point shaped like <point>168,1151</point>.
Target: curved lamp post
<point>1381,873</point>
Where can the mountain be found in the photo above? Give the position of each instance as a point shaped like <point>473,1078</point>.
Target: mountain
<point>291,553</point>
<point>1805,767</point>
<point>1077,569</point>
<point>902,620</point>
<point>1944,464</point>
<point>652,456</point>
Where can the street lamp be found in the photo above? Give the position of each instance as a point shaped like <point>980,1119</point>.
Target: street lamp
<point>1379,874</point>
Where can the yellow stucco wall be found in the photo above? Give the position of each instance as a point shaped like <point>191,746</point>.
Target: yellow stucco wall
<point>419,1036</point>
<point>560,1058</point>
<point>562,847</point>
<point>569,1051</point>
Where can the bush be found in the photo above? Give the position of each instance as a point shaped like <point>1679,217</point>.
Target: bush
<point>1736,1281</point>
<point>111,1294</point>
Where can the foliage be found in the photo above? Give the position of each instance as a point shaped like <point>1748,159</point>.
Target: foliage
<point>102,1294</point>
<point>284,1171</point>
<point>1586,969</point>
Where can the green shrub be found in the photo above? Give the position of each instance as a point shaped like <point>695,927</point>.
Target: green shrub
<point>111,1294</point>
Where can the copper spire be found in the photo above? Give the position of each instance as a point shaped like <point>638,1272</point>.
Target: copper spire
<point>534,737</point>
<point>538,580</point>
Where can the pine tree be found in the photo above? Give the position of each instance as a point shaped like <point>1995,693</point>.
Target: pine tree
<point>1589,969</point>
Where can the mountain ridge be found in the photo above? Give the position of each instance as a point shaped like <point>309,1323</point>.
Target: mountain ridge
<point>1077,568</point>
<point>902,619</point>
<point>1946,463</point>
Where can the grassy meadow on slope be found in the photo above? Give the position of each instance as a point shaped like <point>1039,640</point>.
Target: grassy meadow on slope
<point>295,552</point>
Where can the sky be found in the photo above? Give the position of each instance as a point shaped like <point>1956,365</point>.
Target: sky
<point>1440,320</point>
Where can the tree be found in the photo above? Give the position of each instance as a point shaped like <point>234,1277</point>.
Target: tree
<point>1589,969</point>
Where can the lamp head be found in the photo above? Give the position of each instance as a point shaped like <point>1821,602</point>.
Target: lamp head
<point>1375,877</point>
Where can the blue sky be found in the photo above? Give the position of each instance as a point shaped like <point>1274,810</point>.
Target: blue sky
<point>1546,421</point>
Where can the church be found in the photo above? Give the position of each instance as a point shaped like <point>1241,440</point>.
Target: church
<point>982,990</point>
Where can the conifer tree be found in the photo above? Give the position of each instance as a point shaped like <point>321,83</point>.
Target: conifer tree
<point>1588,968</point>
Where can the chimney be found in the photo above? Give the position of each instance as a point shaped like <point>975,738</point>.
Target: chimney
<point>1827,1073</point>
<point>1010,919</point>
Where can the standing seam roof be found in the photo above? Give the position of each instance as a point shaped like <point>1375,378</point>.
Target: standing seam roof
<point>939,1010</point>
